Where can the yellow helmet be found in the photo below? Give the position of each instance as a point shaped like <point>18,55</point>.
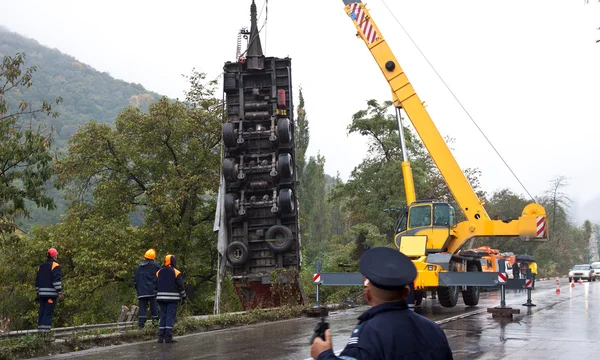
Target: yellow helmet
<point>150,254</point>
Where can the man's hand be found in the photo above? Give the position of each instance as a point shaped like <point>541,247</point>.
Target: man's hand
<point>61,297</point>
<point>319,345</point>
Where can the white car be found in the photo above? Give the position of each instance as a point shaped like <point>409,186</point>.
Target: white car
<point>584,271</point>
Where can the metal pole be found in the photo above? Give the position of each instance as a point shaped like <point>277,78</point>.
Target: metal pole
<point>529,277</point>
<point>502,296</point>
<point>317,302</point>
<point>401,133</point>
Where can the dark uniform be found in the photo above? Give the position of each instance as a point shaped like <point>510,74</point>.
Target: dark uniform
<point>170,290</point>
<point>145,284</point>
<point>390,330</point>
<point>48,285</point>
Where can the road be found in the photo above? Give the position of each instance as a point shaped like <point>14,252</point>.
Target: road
<point>559,325</point>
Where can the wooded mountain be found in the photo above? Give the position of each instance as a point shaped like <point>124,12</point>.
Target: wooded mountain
<point>87,94</point>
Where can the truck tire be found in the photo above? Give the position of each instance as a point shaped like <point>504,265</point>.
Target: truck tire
<point>284,236</point>
<point>287,202</point>
<point>448,295</point>
<point>230,207</point>
<point>237,253</point>
<point>285,166</point>
<point>229,169</point>
<point>471,295</point>
<point>229,136</point>
<point>284,130</point>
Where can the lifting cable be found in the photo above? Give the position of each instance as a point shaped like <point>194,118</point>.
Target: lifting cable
<point>458,101</point>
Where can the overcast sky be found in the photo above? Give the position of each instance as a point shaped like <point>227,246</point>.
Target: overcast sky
<point>527,71</point>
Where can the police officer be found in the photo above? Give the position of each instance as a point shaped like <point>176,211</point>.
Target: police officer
<point>170,291</point>
<point>48,286</point>
<point>388,330</point>
<point>145,285</point>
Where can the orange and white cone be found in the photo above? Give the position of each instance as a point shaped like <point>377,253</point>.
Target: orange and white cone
<point>572,282</point>
<point>557,288</point>
<point>580,282</point>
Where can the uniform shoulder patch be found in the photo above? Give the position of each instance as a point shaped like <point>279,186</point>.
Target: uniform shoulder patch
<point>355,335</point>
<point>54,265</point>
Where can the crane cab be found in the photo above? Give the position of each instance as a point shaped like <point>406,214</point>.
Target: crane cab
<point>424,227</point>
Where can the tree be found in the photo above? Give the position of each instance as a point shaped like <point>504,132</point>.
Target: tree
<point>25,155</point>
<point>163,165</point>
<point>302,138</point>
<point>559,201</point>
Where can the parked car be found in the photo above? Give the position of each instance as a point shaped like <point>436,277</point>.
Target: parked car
<point>584,271</point>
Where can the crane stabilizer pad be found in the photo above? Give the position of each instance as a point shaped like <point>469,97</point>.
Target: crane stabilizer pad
<point>503,312</point>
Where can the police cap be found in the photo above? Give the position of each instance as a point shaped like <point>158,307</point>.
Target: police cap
<point>387,268</point>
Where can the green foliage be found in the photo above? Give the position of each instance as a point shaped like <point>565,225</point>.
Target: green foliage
<point>24,147</point>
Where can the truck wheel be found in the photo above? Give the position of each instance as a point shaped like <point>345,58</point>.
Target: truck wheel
<point>229,169</point>
<point>229,137</point>
<point>284,130</point>
<point>237,253</point>
<point>279,238</point>
<point>285,166</point>
<point>230,206</point>
<point>471,295</point>
<point>287,202</point>
<point>448,295</point>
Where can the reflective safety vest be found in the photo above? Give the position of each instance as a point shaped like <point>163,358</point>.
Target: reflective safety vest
<point>170,285</point>
<point>48,281</point>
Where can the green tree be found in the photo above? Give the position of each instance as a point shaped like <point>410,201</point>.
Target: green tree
<point>302,138</point>
<point>163,165</point>
<point>24,148</point>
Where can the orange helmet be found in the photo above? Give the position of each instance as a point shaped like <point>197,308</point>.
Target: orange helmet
<point>150,254</point>
<point>170,260</point>
<point>52,252</point>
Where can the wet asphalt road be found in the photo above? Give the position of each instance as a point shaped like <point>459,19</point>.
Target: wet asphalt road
<point>558,327</point>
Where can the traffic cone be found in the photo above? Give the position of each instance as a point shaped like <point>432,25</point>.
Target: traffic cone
<point>572,282</point>
<point>580,282</point>
<point>557,287</point>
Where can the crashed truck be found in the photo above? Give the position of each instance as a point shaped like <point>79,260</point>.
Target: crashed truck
<point>257,211</point>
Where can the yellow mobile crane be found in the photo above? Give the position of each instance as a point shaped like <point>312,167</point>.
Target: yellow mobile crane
<point>427,232</point>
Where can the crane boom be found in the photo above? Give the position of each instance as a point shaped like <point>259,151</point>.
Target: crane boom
<point>406,98</point>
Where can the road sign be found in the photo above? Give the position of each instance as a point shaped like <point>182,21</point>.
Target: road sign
<point>528,283</point>
<point>502,278</point>
<point>317,278</point>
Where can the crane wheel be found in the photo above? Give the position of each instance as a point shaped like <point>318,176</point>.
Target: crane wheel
<point>471,295</point>
<point>448,295</point>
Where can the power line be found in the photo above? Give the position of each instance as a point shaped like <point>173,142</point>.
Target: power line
<point>458,101</point>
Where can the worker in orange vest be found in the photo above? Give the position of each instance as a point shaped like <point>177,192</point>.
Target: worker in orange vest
<point>144,281</point>
<point>170,290</point>
<point>48,286</point>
